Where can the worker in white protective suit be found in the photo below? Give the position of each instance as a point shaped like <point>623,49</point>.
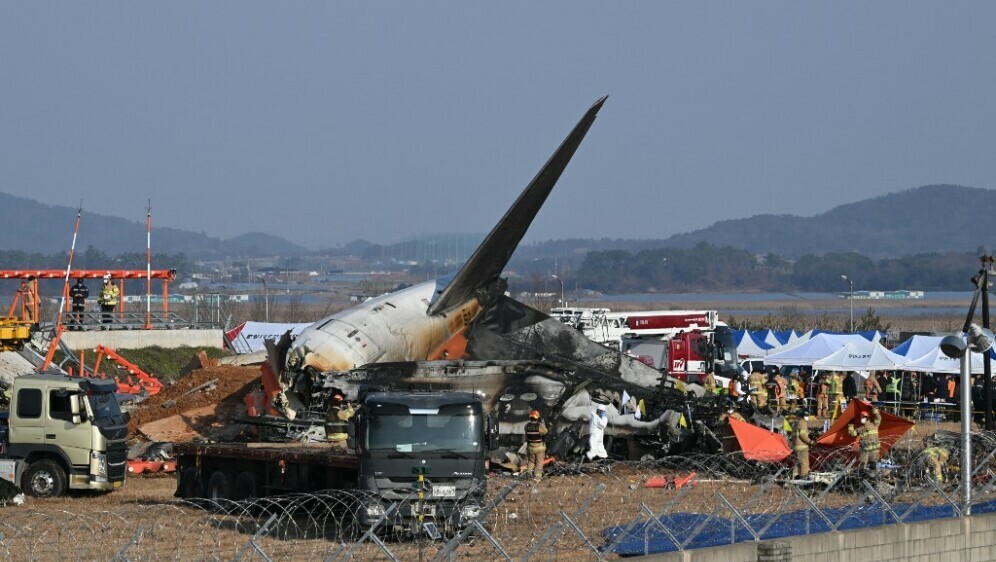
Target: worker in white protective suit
<point>596,433</point>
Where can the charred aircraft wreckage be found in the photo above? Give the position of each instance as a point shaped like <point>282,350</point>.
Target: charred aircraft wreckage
<point>463,332</point>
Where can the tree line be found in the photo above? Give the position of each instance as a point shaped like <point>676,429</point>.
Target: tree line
<point>91,258</point>
<point>705,268</point>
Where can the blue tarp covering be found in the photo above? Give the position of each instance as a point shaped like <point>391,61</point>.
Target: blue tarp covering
<point>647,538</point>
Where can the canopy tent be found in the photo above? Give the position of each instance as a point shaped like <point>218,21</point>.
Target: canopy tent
<point>770,337</point>
<point>792,336</point>
<point>814,349</point>
<point>872,335</point>
<point>748,346</point>
<point>935,361</point>
<point>860,358</point>
<point>917,346</point>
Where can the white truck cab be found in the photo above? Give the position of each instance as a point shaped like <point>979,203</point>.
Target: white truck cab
<point>63,433</point>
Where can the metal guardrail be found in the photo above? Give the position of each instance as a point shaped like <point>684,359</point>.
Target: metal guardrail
<point>92,321</point>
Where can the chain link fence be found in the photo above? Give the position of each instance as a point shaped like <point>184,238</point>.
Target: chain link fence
<point>578,512</point>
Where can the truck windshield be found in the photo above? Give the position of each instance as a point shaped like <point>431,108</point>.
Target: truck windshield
<point>725,357</point>
<point>396,427</point>
<point>104,406</point>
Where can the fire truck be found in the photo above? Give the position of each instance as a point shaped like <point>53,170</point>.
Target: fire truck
<point>683,343</point>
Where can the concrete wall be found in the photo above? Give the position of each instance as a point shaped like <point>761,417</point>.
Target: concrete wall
<point>966,539</point>
<point>136,339</point>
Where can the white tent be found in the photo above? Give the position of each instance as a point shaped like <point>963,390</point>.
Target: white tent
<point>826,343</point>
<point>935,361</point>
<point>771,339</point>
<point>750,348</point>
<point>918,346</point>
<point>813,350</point>
<point>860,358</point>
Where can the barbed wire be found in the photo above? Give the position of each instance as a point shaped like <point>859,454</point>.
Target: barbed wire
<point>582,511</point>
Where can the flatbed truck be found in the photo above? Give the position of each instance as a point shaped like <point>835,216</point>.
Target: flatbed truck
<point>426,452</point>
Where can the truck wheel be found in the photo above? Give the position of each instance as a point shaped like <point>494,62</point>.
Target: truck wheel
<point>220,486</point>
<point>246,486</point>
<point>44,479</point>
<point>190,484</point>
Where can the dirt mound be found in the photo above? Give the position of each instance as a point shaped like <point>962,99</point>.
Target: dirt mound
<point>233,383</point>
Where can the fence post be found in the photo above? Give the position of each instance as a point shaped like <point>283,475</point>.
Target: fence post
<point>812,506</point>
<point>252,540</point>
<point>372,536</point>
<point>661,526</point>
<point>740,518</point>
<point>453,543</point>
<point>576,529</point>
<point>881,500</point>
<point>557,529</point>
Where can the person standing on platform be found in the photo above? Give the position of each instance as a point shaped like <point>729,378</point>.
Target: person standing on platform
<point>108,299</point>
<point>78,293</point>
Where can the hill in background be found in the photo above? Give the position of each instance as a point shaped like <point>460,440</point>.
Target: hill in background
<point>932,218</point>
<point>47,229</point>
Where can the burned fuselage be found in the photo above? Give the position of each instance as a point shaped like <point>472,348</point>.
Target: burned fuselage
<point>511,389</point>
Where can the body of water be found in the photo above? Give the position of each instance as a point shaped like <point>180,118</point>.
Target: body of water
<point>809,303</point>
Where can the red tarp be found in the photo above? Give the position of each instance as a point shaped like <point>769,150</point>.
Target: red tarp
<point>760,444</point>
<point>837,437</point>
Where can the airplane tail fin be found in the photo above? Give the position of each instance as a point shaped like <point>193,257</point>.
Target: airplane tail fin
<point>491,257</point>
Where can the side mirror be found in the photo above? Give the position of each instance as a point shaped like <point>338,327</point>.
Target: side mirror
<point>351,433</point>
<point>77,409</point>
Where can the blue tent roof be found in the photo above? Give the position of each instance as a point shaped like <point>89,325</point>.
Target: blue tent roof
<point>784,335</point>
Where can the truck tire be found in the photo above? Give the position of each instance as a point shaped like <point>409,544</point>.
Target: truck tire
<point>44,479</point>
<point>190,484</point>
<point>246,486</point>
<point>220,486</point>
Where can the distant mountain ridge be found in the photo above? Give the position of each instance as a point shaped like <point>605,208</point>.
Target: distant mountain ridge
<point>932,218</point>
<point>35,227</point>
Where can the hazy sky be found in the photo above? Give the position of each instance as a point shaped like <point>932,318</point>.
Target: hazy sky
<point>325,122</point>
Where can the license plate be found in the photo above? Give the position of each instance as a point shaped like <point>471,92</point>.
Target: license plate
<point>117,484</point>
<point>444,491</point>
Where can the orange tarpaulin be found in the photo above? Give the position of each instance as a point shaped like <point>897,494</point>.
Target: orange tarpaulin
<point>891,429</point>
<point>837,438</point>
<point>760,444</point>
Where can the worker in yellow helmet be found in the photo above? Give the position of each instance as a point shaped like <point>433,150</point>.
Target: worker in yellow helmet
<point>108,299</point>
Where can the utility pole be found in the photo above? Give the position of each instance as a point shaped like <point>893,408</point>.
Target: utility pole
<point>266,299</point>
<point>987,384</point>
<point>561,281</point>
<point>850,298</point>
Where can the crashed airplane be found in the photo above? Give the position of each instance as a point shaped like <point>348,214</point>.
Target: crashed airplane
<point>483,340</point>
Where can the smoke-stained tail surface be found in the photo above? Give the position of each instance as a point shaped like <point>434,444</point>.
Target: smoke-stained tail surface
<point>490,258</point>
